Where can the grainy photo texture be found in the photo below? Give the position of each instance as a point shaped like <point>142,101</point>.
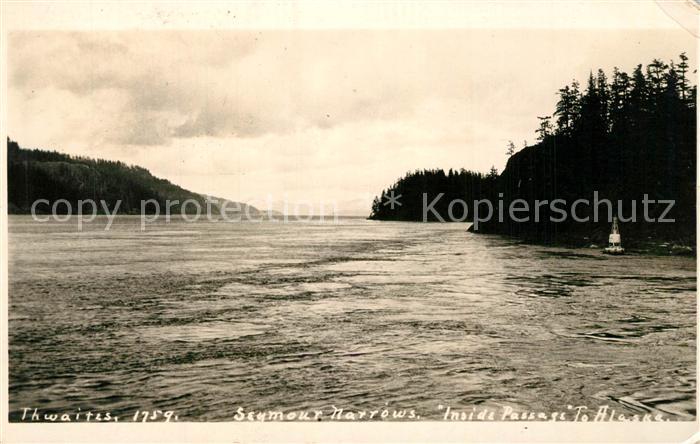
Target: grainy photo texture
<point>351,225</point>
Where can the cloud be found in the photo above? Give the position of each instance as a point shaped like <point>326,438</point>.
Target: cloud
<point>162,75</point>
<point>195,84</point>
<point>145,129</point>
<point>222,118</point>
<point>316,113</point>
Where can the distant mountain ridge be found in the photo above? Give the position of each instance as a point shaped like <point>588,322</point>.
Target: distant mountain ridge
<point>38,174</point>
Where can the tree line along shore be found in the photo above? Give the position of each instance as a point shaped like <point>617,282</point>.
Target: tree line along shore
<point>622,135</point>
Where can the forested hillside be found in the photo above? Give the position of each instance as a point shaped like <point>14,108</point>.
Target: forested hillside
<point>622,135</point>
<point>37,174</point>
<point>410,188</point>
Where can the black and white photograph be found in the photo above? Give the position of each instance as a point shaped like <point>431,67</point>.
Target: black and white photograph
<point>265,218</point>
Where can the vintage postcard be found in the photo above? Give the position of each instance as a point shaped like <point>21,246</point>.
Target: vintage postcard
<point>349,221</point>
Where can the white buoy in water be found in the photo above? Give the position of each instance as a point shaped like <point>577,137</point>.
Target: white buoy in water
<point>614,240</point>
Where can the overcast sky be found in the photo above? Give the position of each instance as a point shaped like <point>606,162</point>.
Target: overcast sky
<point>311,115</point>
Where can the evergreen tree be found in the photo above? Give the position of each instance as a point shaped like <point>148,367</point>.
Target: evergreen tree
<point>545,128</point>
<point>625,137</point>
<point>682,76</point>
<point>510,150</point>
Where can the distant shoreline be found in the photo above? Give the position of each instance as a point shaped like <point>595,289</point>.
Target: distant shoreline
<point>634,247</point>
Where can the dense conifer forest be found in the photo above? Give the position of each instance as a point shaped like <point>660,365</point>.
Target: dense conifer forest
<point>37,174</point>
<point>623,135</point>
